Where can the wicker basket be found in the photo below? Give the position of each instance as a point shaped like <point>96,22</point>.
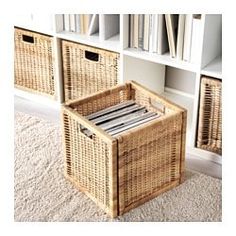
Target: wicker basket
<point>34,66</point>
<point>87,69</point>
<point>210,116</point>
<point>123,172</point>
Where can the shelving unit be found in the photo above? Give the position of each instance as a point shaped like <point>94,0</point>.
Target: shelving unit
<point>178,81</point>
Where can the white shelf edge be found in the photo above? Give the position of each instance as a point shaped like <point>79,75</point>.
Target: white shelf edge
<point>164,59</point>
<point>112,44</point>
<point>207,155</point>
<point>181,93</point>
<point>214,68</point>
<point>36,98</point>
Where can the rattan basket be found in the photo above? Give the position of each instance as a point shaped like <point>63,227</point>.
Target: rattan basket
<point>123,172</point>
<point>34,63</point>
<point>210,116</point>
<point>87,69</point>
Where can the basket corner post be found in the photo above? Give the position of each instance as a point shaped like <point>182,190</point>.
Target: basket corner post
<point>183,147</point>
<point>114,184</point>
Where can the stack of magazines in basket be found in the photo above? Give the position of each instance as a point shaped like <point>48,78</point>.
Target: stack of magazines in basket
<point>122,117</point>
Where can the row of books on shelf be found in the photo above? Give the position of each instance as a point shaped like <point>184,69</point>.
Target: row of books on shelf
<point>106,25</point>
<point>81,23</point>
<point>159,33</point>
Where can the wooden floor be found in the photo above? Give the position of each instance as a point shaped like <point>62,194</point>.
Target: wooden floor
<point>53,114</point>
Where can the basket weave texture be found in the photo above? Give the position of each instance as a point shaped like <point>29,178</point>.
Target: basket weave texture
<point>120,173</point>
<point>87,69</point>
<point>34,63</point>
<point>210,116</point>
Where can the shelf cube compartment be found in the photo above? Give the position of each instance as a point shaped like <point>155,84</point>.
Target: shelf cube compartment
<point>34,63</point>
<point>120,173</point>
<point>87,69</point>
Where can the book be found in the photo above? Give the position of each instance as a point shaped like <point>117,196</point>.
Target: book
<point>187,37</point>
<point>135,31</point>
<point>140,30</point>
<point>86,22</point>
<point>77,23</point>
<point>195,42</point>
<point>72,23</point>
<point>171,26</point>
<point>131,30</point>
<point>162,40</point>
<point>180,37</point>
<point>82,30</point>
<point>146,32</point>
<point>151,31</point>
<point>155,32</point>
<point>94,25</point>
<point>66,22</point>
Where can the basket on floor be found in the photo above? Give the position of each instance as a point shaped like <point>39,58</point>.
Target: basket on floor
<point>210,116</point>
<point>34,63</point>
<point>119,173</point>
<point>87,69</point>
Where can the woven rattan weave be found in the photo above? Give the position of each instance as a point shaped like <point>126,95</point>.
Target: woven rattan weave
<point>87,69</point>
<point>210,116</point>
<point>34,62</point>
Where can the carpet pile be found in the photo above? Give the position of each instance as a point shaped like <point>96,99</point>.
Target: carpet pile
<point>43,194</point>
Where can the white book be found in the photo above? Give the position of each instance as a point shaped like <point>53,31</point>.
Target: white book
<point>140,30</point>
<point>146,33</point>
<point>180,37</point>
<point>67,22</point>
<point>108,25</point>
<point>94,25</point>
<point>155,33</point>
<point>171,23</point>
<point>151,32</point>
<point>131,30</point>
<point>162,41</point>
<point>196,36</point>
<point>72,23</point>
<point>187,37</point>
<point>86,22</point>
<point>77,23</point>
<point>135,31</point>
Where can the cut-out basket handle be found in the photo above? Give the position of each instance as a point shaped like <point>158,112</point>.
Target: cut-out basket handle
<point>91,56</point>
<point>157,105</point>
<point>86,132</point>
<point>27,38</point>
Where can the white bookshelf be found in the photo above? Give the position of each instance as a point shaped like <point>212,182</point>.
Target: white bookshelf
<point>177,80</point>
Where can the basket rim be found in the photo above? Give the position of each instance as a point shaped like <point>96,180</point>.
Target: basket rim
<point>66,106</point>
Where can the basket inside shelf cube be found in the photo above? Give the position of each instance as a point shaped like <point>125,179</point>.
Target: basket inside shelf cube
<point>87,69</point>
<point>34,63</point>
<point>120,172</point>
<point>209,136</point>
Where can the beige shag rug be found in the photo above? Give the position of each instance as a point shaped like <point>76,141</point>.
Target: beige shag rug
<point>43,194</point>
